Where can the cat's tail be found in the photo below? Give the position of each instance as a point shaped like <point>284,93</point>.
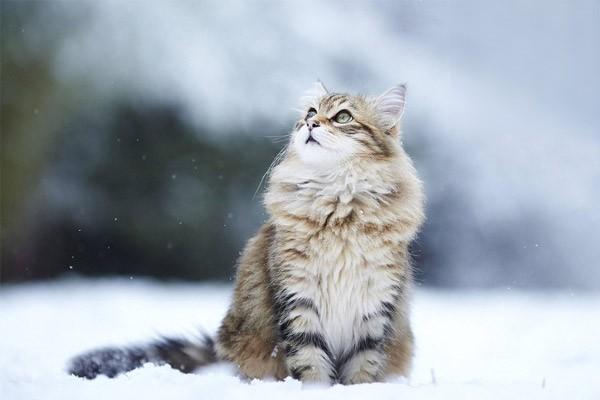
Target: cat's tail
<point>185,355</point>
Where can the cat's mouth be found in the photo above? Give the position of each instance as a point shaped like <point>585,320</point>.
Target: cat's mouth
<point>311,139</point>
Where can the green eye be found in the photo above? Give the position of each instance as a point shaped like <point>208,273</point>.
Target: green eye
<point>343,117</point>
<point>311,113</point>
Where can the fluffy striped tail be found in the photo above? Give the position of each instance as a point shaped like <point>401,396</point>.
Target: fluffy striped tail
<point>185,355</point>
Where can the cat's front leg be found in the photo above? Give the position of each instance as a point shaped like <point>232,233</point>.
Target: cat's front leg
<point>307,354</point>
<point>366,360</point>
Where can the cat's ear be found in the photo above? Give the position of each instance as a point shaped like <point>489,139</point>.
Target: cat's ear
<point>319,87</point>
<point>390,105</point>
<point>314,93</point>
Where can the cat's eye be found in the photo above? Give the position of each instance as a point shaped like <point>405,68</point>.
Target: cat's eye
<point>311,113</point>
<point>343,117</point>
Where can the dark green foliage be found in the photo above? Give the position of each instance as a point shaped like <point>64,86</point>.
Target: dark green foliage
<point>139,192</point>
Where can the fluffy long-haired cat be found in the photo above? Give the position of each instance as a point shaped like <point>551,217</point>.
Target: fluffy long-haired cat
<point>322,290</point>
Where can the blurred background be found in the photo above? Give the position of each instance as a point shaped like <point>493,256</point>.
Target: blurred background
<point>135,134</point>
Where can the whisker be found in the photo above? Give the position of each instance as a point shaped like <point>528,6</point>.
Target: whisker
<point>299,110</point>
<point>279,140</point>
<point>276,161</point>
<point>326,138</point>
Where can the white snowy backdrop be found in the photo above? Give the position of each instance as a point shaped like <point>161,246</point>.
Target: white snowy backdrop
<point>502,116</point>
<point>505,97</point>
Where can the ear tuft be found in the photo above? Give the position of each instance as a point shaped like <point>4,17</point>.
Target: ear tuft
<point>322,87</point>
<point>390,105</point>
<point>314,93</point>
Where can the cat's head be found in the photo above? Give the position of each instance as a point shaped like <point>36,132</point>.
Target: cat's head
<point>335,128</point>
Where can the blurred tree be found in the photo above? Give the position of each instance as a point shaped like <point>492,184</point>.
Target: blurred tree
<point>134,190</point>
<point>102,186</point>
<point>27,114</point>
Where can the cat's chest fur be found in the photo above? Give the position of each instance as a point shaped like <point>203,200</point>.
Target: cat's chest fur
<point>344,283</point>
<point>345,290</point>
<point>341,272</point>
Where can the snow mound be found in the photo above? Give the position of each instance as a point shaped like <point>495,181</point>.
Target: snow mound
<point>480,345</point>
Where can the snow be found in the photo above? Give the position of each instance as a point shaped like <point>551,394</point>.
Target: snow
<point>478,344</point>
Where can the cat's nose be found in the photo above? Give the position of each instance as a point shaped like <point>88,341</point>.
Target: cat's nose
<point>312,124</point>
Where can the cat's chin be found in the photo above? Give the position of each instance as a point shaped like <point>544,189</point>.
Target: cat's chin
<point>317,157</point>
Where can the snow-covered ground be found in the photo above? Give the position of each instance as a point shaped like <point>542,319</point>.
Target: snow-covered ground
<point>471,345</point>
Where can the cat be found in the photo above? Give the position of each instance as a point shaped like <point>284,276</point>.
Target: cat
<point>322,290</point>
